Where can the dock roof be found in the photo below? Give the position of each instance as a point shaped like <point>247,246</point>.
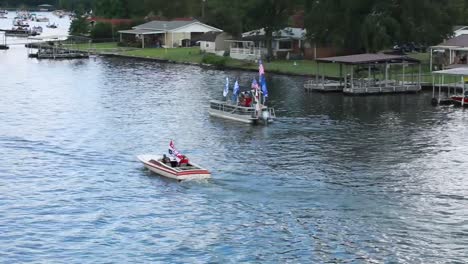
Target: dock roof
<point>368,58</point>
<point>461,71</point>
<point>141,31</point>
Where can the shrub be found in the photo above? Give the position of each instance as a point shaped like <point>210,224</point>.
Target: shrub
<point>212,59</point>
<point>102,31</point>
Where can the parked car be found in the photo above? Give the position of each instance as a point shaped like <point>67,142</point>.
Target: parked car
<point>409,47</point>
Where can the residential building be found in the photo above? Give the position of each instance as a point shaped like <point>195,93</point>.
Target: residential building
<point>214,42</point>
<point>168,34</point>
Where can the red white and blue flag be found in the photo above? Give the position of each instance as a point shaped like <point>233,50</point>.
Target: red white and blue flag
<point>261,70</point>
<point>173,152</point>
<point>255,84</point>
<point>261,73</point>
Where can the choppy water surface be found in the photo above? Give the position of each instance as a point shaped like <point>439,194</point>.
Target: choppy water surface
<point>378,179</point>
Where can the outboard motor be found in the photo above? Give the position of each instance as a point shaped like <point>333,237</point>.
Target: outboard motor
<point>265,116</point>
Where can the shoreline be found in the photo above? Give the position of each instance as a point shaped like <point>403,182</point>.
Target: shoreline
<point>205,65</point>
<point>424,86</point>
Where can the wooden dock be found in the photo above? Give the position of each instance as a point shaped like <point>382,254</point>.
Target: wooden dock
<point>369,74</point>
<point>330,86</point>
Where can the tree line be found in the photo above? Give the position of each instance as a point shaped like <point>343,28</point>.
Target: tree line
<point>360,25</point>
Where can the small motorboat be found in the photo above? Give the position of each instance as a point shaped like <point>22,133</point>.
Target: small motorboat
<point>53,25</point>
<point>171,170</point>
<point>460,99</point>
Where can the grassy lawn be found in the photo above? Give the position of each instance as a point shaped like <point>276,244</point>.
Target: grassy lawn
<point>176,54</point>
<point>96,46</point>
<point>303,67</point>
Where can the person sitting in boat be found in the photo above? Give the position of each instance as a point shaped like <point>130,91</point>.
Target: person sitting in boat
<point>242,99</point>
<point>184,161</point>
<point>165,159</point>
<point>248,101</point>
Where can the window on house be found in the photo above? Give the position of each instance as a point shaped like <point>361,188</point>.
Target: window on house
<point>285,44</point>
<point>207,45</point>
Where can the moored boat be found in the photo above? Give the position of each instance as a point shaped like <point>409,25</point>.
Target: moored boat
<point>53,25</point>
<point>42,19</point>
<point>460,99</point>
<point>179,169</point>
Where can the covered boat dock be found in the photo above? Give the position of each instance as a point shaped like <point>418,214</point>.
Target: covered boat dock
<point>454,81</point>
<point>369,74</point>
<point>59,47</point>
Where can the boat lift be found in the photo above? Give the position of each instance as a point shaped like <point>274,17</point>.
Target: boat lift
<point>454,82</point>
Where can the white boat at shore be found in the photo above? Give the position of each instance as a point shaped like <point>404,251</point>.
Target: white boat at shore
<point>42,19</point>
<point>190,172</point>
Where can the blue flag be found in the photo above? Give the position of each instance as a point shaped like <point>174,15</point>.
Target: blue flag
<point>235,91</point>
<point>263,85</point>
<point>226,88</point>
<point>236,88</point>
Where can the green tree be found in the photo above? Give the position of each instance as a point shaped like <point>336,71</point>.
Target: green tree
<point>79,26</point>
<point>371,25</point>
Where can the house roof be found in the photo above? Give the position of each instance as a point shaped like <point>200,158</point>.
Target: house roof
<point>367,58</point>
<point>161,26</point>
<point>172,25</point>
<point>460,41</point>
<point>286,33</point>
<point>141,31</point>
<point>458,27</point>
<point>164,25</point>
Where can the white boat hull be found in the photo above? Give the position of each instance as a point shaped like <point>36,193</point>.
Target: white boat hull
<point>234,117</point>
<point>242,114</point>
<point>152,162</point>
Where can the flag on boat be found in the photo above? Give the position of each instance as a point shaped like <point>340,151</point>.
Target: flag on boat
<point>226,88</point>
<point>255,84</point>
<point>173,152</point>
<point>264,86</point>
<point>235,92</point>
<point>236,88</point>
<point>261,70</point>
<point>261,73</point>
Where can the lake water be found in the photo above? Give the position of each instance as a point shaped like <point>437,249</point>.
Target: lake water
<point>337,179</point>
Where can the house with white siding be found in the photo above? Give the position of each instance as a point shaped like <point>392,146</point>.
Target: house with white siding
<point>167,34</point>
<point>214,42</point>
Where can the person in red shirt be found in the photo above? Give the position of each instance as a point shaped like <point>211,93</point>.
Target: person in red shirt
<point>184,161</point>
<point>248,101</point>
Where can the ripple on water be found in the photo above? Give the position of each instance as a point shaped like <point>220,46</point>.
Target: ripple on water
<point>337,179</point>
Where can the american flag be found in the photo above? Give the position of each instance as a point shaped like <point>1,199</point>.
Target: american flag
<point>261,70</point>
<point>173,151</point>
<point>255,84</point>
